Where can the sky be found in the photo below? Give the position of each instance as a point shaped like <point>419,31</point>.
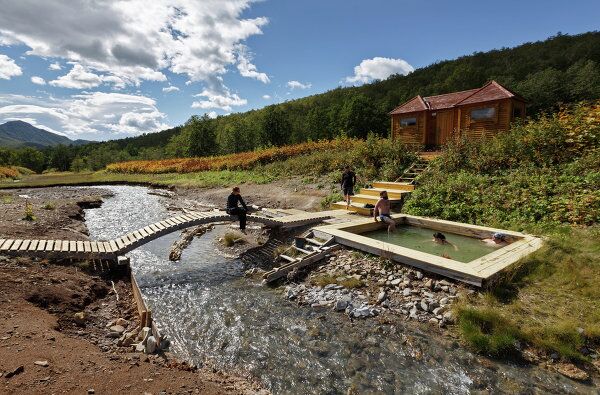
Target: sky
<point>102,69</point>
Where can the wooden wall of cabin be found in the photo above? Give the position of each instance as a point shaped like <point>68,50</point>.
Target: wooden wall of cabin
<point>410,134</point>
<point>488,127</point>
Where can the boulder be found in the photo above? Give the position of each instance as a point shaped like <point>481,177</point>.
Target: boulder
<point>571,371</point>
<point>121,322</point>
<point>118,329</point>
<point>151,345</point>
<point>80,318</point>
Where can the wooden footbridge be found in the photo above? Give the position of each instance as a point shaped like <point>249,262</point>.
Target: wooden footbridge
<point>111,249</point>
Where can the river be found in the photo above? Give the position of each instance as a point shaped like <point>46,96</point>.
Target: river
<point>210,311</point>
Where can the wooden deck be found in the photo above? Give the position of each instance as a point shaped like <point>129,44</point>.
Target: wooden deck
<point>111,249</point>
<point>477,272</point>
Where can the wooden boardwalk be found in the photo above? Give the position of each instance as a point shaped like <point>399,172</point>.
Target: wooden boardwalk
<point>111,249</point>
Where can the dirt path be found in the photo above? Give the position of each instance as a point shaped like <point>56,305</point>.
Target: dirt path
<point>44,349</point>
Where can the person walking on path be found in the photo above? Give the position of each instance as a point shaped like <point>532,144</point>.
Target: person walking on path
<point>382,211</point>
<point>233,200</point>
<point>348,182</point>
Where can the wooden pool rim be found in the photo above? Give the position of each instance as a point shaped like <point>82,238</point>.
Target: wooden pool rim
<point>477,272</point>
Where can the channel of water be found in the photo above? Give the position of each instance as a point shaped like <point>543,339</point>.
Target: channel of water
<point>209,310</point>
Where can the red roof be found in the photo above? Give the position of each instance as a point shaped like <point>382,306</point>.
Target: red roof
<point>490,91</point>
<point>413,105</point>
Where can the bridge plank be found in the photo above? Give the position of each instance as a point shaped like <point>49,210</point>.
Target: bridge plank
<point>73,246</point>
<point>87,247</point>
<point>80,246</point>
<point>171,222</point>
<point>128,239</point>
<point>49,245</point>
<point>65,246</point>
<point>24,245</point>
<point>101,248</point>
<point>2,242</point>
<point>41,245</point>
<point>154,228</point>
<point>187,218</point>
<point>138,235</point>
<point>143,233</point>
<point>113,246</point>
<point>33,245</point>
<point>149,230</point>
<point>158,225</point>
<point>94,246</point>
<point>165,224</point>
<point>120,244</point>
<point>6,245</point>
<point>57,245</point>
<point>177,220</point>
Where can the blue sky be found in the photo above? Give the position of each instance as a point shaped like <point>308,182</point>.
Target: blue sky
<point>129,67</point>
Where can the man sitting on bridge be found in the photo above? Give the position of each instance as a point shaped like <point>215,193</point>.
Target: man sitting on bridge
<point>234,209</point>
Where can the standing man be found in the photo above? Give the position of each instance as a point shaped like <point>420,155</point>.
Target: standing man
<point>234,209</point>
<point>383,211</point>
<point>348,182</point>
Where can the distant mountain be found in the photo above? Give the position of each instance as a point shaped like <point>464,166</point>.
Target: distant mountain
<point>15,134</point>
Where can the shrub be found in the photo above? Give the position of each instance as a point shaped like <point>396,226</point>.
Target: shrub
<point>29,212</point>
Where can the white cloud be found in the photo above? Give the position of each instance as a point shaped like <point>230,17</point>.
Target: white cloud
<point>77,78</point>
<point>8,68</point>
<point>38,80</point>
<point>90,115</point>
<point>379,68</point>
<point>212,114</point>
<point>54,66</point>
<point>136,40</point>
<point>247,69</point>
<point>298,85</point>
<point>170,88</point>
<point>266,97</point>
<point>218,98</point>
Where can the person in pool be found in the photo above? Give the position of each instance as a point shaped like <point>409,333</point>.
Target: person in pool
<point>440,238</point>
<point>382,211</point>
<point>497,240</point>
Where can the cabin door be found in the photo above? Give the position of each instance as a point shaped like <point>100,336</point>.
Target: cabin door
<point>443,126</point>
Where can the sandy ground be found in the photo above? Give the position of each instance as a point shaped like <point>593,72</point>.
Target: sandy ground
<point>38,301</point>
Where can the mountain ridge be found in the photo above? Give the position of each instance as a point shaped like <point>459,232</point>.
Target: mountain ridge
<point>18,134</point>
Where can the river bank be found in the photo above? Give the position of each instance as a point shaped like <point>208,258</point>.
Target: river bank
<point>45,345</point>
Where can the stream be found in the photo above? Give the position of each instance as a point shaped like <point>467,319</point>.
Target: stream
<point>210,311</point>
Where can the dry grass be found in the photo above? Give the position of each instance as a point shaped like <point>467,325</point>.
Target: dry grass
<point>233,237</point>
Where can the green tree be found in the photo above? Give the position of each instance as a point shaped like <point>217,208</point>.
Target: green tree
<point>359,116</point>
<point>276,125</point>
<point>201,134</point>
<point>31,159</point>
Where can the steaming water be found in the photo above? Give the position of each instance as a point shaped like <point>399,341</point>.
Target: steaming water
<point>210,311</point>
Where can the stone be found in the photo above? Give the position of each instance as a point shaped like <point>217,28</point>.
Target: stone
<point>140,347</point>
<point>341,305</point>
<point>144,333</point>
<point>91,391</point>
<point>15,371</point>
<point>118,329</point>
<point>433,321</point>
<point>419,275</point>
<point>381,297</point>
<point>80,318</point>
<point>151,345</point>
<point>438,310</point>
<point>429,284</point>
<point>424,306</point>
<point>406,292</point>
<point>44,364</point>
<point>571,371</point>
<point>449,317</point>
<point>444,301</point>
<point>121,322</point>
<point>396,281</point>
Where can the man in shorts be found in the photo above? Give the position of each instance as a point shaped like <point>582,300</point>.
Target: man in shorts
<point>348,181</point>
<point>382,211</point>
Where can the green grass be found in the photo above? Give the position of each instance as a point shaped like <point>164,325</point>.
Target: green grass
<point>203,179</point>
<point>49,206</point>
<point>544,299</point>
<point>29,216</point>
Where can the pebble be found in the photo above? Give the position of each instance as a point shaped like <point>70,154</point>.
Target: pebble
<point>396,281</point>
<point>41,363</point>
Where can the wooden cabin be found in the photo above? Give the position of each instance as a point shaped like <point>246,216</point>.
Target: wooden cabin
<point>476,113</point>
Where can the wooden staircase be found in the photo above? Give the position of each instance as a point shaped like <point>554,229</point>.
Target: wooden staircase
<point>415,170</point>
<point>306,250</point>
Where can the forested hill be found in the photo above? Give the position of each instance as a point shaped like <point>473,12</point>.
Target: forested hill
<point>561,69</point>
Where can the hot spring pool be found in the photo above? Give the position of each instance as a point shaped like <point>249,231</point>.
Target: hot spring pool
<point>421,239</point>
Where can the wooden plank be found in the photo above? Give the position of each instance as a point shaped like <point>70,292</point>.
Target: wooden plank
<point>120,244</point>
<point>57,245</point>
<point>113,246</point>
<point>73,246</point>
<point>137,235</point>
<point>80,246</point>
<point>86,246</point>
<point>24,245</point>
<point>49,245</point>
<point>143,233</point>
<point>94,246</point>
<point>149,230</point>
<point>2,241</point>
<point>154,228</point>
<point>33,245</point>
<point>65,246</point>
<point>101,248</point>
<point>158,225</point>
<point>6,245</point>
<point>171,222</point>
<point>41,245</point>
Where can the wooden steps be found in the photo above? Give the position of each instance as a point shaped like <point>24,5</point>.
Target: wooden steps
<point>356,207</point>
<point>111,249</point>
<point>394,186</point>
<point>318,251</point>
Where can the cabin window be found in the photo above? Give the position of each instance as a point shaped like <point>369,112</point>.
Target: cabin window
<point>481,114</point>
<point>408,122</point>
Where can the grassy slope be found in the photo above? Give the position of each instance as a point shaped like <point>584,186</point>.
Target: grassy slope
<point>542,177</point>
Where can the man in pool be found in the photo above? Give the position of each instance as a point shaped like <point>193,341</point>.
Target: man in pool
<point>383,211</point>
<point>233,209</point>
<point>497,240</point>
<point>440,238</point>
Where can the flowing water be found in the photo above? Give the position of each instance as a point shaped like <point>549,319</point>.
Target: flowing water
<point>210,311</point>
<point>460,248</point>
